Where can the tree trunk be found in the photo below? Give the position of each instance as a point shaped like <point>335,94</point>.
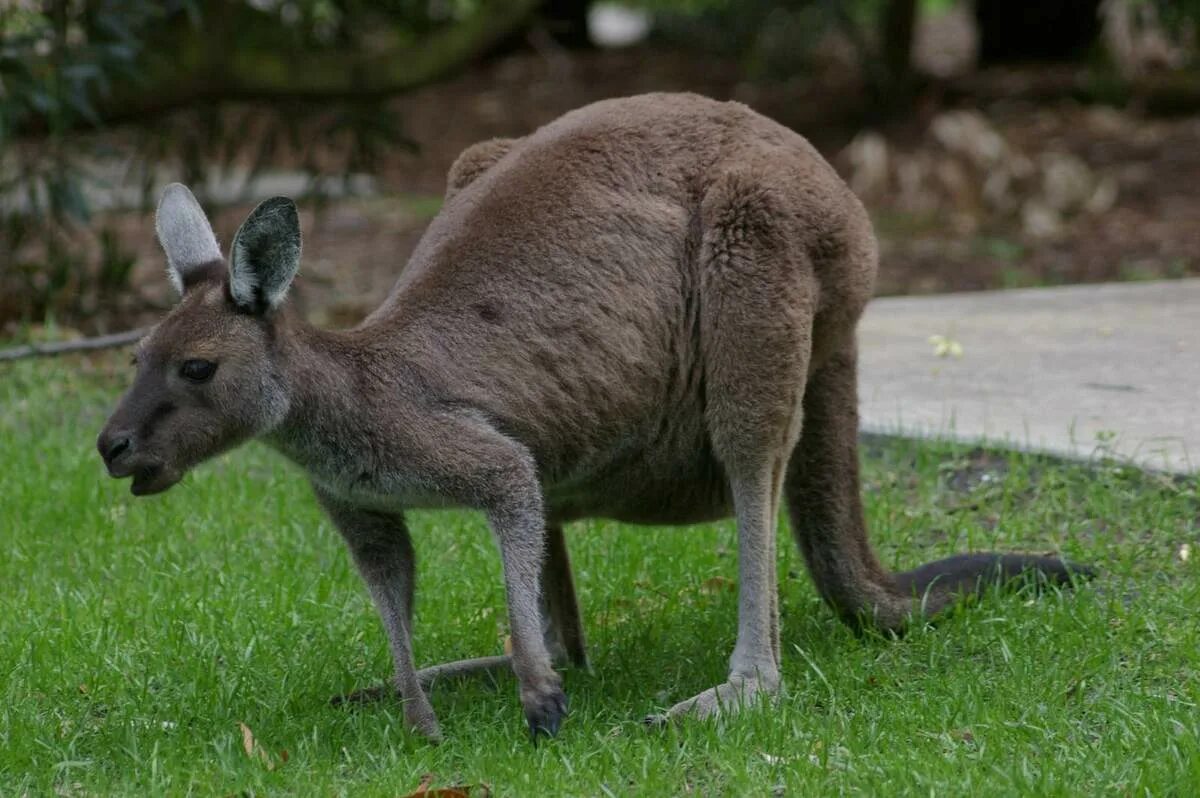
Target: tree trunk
<point>1036,30</point>
<point>899,24</point>
<point>566,21</point>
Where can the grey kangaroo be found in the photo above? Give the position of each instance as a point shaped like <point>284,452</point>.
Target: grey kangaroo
<point>643,311</point>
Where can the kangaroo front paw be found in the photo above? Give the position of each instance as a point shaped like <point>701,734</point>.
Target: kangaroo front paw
<point>724,699</point>
<point>544,709</point>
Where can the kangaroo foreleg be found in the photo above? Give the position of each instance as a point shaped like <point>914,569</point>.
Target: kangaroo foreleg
<point>383,553</point>
<point>562,630</point>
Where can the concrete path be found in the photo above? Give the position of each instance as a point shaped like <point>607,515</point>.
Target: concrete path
<point>1079,371</point>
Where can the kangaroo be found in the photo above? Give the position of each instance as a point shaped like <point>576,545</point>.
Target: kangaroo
<point>643,311</point>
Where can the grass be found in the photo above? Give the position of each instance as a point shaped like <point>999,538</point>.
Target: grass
<point>136,635</point>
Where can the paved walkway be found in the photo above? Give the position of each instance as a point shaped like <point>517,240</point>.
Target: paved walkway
<point>1076,371</point>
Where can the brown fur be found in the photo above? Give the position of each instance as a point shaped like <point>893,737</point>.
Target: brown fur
<point>643,311</point>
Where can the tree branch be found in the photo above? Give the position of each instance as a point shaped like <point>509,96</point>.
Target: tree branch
<point>199,67</point>
<point>66,347</point>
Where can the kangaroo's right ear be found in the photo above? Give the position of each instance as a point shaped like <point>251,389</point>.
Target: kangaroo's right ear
<point>185,234</point>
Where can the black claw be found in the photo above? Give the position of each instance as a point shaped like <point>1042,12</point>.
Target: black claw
<point>546,719</point>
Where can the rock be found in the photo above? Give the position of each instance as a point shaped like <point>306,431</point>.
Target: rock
<point>966,169</point>
<point>1067,182</point>
<point>1104,197</point>
<point>998,191</point>
<point>869,164</point>
<point>946,42</point>
<point>969,133</point>
<point>615,25</point>
<point>914,194</point>
<point>1039,220</point>
<point>956,185</point>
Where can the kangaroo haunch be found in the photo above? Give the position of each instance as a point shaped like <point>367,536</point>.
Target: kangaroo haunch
<point>643,311</point>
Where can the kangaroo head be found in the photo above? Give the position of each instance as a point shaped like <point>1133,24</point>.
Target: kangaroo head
<point>209,375</point>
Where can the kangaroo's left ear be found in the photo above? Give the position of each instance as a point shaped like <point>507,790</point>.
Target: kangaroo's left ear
<point>265,255</point>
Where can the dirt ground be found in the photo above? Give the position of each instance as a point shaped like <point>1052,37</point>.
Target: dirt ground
<point>1147,228</point>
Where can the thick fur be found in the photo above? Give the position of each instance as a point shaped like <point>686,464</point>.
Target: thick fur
<point>643,311</point>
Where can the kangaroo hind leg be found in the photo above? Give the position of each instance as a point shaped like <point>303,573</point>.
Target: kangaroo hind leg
<point>757,303</point>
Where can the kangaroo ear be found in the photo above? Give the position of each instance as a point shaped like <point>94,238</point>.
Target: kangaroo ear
<point>185,234</point>
<point>265,255</point>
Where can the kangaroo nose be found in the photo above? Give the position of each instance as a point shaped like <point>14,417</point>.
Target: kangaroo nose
<point>111,448</point>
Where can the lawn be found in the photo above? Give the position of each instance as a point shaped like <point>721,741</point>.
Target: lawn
<point>136,635</point>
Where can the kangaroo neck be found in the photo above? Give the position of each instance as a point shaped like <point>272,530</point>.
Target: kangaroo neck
<point>340,391</point>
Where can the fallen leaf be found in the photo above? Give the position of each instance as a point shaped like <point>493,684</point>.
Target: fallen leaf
<point>251,747</point>
<point>423,787</point>
<point>1185,551</point>
<point>426,790</point>
<point>508,645</point>
<point>944,346</point>
<point>717,584</point>
<point>247,739</point>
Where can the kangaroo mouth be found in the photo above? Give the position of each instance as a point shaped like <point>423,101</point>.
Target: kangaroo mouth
<point>152,479</point>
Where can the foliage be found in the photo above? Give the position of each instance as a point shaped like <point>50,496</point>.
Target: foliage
<point>55,59</point>
<point>136,635</point>
<point>777,37</point>
<point>774,38</point>
<point>311,72</point>
<point>1176,13</point>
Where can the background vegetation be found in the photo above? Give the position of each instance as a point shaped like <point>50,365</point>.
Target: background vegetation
<point>102,100</point>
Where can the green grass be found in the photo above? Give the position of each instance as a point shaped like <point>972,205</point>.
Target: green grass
<point>135,635</point>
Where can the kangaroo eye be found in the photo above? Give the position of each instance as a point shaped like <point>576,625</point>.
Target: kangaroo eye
<point>197,370</point>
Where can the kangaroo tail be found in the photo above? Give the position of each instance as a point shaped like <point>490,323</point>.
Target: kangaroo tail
<point>971,574</point>
<point>823,494</point>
